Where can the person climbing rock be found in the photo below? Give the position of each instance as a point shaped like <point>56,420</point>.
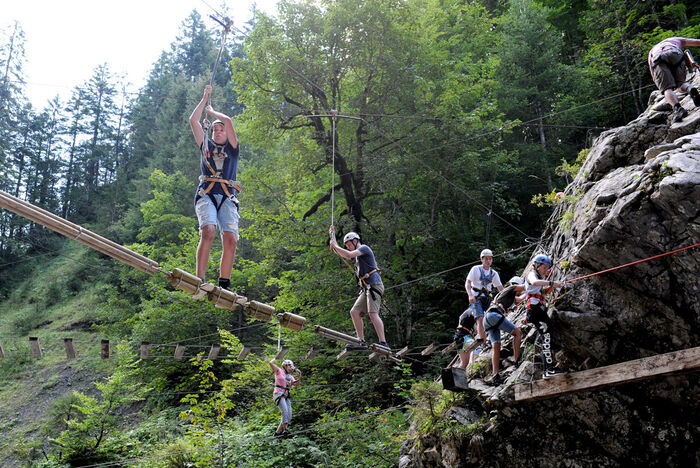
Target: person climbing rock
<point>537,286</point>
<point>464,337</point>
<point>371,286</point>
<point>495,321</point>
<point>215,200</point>
<point>479,284</point>
<point>284,380</point>
<point>668,70</point>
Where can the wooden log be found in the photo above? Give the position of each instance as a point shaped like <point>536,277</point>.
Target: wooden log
<point>214,351</point>
<point>259,311</point>
<point>225,299</point>
<point>104,349</point>
<point>430,349</point>
<point>449,349</point>
<point>70,350</point>
<point>282,352</point>
<point>35,346</point>
<point>313,352</point>
<point>75,232</point>
<point>179,351</point>
<point>335,335</point>
<point>291,321</point>
<point>402,352</point>
<point>145,349</point>
<point>244,352</point>
<point>676,362</point>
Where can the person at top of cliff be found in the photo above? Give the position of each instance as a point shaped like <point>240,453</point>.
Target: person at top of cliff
<point>479,284</point>
<point>668,70</point>
<point>495,321</point>
<point>537,286</point>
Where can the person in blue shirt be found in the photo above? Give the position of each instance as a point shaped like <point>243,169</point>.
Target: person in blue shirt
<point>216,199</point>
<point>371,286</point>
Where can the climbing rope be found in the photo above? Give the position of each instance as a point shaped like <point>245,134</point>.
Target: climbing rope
<point>632,263</point>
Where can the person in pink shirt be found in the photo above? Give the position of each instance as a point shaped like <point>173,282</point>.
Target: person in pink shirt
<point>667,66</point>
<point>284,380</point>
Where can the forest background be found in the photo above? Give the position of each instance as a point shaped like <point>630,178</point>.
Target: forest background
<point>453,117</point>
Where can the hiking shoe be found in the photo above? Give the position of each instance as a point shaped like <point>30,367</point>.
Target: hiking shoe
<point>356,347</point>
<point>497,379</point>
<point>551,373</point>
<point>278,434</point>
<point>679,113</point>
<point>695,96</point>
<point>285,433</point>
<point>225,283</point>
<point>486,347</point>
<point>384,344</point>
<point>512,362</point>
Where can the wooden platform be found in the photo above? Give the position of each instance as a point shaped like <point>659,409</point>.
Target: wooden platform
<point>676,362</point>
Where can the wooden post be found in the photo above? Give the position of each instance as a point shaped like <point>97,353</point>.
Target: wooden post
<point>450,348</point>
<point>104,349</point>
<point>244,352</point>
<point>676,362</point>
<point>2,351</point>
<point>70,351</point>
<point>313,352</point>
<point>429,350</point>
<point>179,351</point>
<point>145,349</point>
<point>214,351</point>
<point>282,352</point>
<point>34,345</point>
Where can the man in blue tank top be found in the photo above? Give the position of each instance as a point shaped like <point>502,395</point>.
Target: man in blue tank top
<point>371,286</point>
<point>216,199</point>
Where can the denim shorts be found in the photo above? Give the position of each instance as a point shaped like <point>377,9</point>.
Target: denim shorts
<point>478,306</point>
<point>226,218</point>
<point>495,333</point>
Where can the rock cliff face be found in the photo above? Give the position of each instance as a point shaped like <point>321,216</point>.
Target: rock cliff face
<point>637,195</point>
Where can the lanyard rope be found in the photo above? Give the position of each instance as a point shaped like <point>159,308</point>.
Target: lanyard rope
<point>334,116</point>
<point>205,125</point>
<point>632,263</point>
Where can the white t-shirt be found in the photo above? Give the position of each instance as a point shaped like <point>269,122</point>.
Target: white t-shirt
<point>475,277</point>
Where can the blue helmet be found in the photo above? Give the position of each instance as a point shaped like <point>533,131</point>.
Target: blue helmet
<point>543,259</point>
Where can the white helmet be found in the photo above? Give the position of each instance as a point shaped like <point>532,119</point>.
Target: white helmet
<point>516,280</point>
<point>288,361</point>
<point>486,253</point>
<point>350,236</point>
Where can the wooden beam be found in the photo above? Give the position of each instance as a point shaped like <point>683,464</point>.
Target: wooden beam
<point>70,350</point>
<point>449,349</point>
<point>104,349</point>
<point>313,352</point>
<point>244,352</point>
<point>676,362</point>
<point>345,353</point>
<point>282,352</point>
<point>35,346</point>
<point>214,351</point>
<point>179,351</point>
<point>402,352</point>
<point>430,349</point>
<point>145,349</point>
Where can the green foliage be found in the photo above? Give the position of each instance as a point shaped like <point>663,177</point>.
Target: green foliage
<point>98,418</point>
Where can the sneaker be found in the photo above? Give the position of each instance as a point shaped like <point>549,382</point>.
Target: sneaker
<point>356,347</point>
<point>695,96</point>
<point>225,283</point>
<point>278,434</point>
<point>679,113</point>
<point>486,347</point>
<point>552,372</point>
<point>497,379</point>
<point>285,433</point>
<point>384,344</point>
<point>512,362</point>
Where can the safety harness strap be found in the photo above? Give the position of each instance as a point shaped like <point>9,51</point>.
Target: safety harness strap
<point>539,297</point>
